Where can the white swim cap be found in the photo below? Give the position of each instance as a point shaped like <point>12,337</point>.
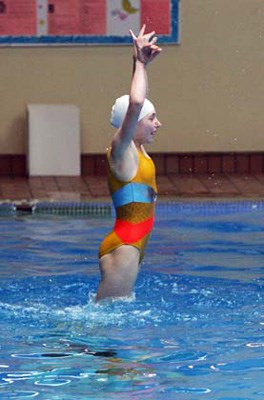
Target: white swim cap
<point>120,107</point>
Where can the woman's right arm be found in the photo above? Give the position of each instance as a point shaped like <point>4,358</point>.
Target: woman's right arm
<point>145,50</point>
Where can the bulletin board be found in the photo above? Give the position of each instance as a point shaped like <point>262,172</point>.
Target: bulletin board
<point>85,22</point>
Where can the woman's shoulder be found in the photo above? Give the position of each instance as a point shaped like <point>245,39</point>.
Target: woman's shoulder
<point>124,165</point>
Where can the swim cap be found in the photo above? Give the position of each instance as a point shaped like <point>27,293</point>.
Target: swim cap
<point>120,107</point>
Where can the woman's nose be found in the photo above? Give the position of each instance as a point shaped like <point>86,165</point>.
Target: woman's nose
<point>158,123</point>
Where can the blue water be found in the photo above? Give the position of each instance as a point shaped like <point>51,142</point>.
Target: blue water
<point>194,329</point>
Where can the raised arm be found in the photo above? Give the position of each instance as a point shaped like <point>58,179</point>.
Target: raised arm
<point>145,50</point>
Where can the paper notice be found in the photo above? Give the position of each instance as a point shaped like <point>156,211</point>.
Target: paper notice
<point>122,16</point>
<point>156,14</point>
<point>18,17</point>
<point>109,20</point>
<point>93,17</point>
<point>63,17</point>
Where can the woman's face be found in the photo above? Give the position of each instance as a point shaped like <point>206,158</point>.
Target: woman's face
<point>146,129</point>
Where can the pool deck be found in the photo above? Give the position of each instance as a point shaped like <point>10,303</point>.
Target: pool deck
<point>92,188</point>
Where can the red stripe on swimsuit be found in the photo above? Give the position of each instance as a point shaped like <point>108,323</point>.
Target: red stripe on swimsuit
<point>130,232</point>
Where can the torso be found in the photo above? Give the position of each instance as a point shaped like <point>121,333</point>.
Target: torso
<point>144,173</point>
<point>134,221</point>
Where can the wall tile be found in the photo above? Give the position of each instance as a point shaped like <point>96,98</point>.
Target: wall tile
<point>256,162</point>
<point>166,163</point>
<point>171,163</point>
<point>214,163</point>
<point>5,165</point>
<point>200,163</point>
<point>242,163</point>
<point>228,163</point>
<point>186,164</point>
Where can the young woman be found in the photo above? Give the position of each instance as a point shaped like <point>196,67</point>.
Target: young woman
<point>131,177</point>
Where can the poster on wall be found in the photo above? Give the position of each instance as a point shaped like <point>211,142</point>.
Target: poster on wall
<point>85,22</point>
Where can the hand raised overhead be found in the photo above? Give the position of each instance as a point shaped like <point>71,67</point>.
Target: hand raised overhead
<point>145,48</point>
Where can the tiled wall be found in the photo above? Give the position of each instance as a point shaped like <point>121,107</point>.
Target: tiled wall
<point>195,163</point>
<point>166,163</point>
<point>13,165</point>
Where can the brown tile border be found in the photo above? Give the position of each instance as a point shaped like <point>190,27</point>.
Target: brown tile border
<point>12,165</point>
<point>256,163</point>
<point>220,163</point>
<point>166,163</point>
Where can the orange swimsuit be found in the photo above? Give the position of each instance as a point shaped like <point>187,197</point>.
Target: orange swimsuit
<point>134,202</point>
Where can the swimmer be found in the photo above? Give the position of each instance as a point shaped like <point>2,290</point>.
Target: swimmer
<point>131,177</point>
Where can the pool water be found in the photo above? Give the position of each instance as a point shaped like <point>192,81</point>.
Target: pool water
<point>193,330</point>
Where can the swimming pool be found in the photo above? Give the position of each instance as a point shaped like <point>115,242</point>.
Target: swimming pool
<point>193,331</point>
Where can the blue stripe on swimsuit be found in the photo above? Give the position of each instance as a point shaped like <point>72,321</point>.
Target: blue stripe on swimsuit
<point>134,192</point>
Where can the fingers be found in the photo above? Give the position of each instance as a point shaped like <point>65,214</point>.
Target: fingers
<point>141,34</point>
<point>142,30</point>
<point>154,40</point>
<point>132,35</point>
<point>150,35</point>
<point>155,48</point>
<point>156,52</point>
<point>145,45</point>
